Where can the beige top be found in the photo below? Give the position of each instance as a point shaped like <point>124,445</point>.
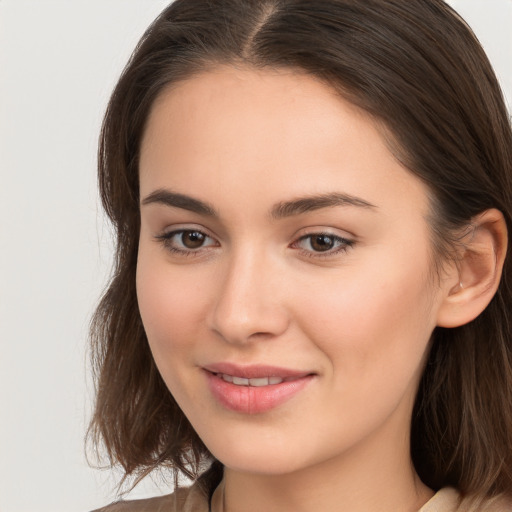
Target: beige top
<point>192,499</point>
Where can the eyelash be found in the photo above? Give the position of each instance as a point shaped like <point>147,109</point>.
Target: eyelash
<point>167,240</point>
<point>341,244</point>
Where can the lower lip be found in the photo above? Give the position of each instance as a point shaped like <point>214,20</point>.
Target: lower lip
<point>254,399</point>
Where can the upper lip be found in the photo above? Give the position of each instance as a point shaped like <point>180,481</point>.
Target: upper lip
<point>255,371</point>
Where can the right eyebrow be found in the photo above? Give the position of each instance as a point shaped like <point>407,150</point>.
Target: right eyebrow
<point>175,200</point>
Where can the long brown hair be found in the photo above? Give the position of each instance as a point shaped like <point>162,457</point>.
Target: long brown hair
<point>417,68</point>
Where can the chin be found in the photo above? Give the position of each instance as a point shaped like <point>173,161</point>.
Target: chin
<point>254,458</point>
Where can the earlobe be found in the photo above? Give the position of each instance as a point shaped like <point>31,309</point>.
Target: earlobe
<point>478,270</point>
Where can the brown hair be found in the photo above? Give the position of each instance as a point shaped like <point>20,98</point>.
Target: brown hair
<point>417,68</point>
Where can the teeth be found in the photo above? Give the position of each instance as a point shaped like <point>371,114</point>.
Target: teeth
<point>240,381</point>
<point>258,382</point>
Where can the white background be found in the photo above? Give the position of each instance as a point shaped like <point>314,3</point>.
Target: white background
<point>59,60</point>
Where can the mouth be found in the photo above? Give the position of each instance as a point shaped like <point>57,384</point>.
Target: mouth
<point>254,389</point>
<point>255,382</point>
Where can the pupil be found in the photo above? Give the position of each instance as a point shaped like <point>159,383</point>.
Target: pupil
<point>322,243</point>
<point>192,239</point>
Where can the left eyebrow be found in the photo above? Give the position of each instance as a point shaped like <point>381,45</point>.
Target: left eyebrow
<point>310,203</point>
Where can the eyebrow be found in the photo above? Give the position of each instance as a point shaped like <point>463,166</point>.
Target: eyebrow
<point>279,211</point>
<point>175,200</point>
<point>316,202</point>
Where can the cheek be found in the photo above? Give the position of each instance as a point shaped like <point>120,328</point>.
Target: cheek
<point>171,308</point>
<point>374,325</point>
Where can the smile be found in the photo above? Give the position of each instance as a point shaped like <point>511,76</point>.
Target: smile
<point>256,382</point>
<point>254,389</point>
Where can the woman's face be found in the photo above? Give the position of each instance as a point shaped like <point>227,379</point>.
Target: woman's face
<point>285,271</point>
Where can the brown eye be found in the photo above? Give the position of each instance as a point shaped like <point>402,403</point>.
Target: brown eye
<point>192,239</point>
<point>318,244</point>
<point>186,241</point>
<point>322,243</point>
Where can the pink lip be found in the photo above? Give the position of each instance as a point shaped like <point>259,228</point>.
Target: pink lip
<point>251,399</point>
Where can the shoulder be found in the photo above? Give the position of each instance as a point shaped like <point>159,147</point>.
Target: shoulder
<point>450,500</point>
<point>486,505</point>
<point>185,499</point>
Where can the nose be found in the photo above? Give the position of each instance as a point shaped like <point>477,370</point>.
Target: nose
<point>249,303</point>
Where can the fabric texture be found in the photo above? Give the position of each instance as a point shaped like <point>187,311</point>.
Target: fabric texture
<point>194,499</point>
<point>449,500</point>
<point>185,499</point>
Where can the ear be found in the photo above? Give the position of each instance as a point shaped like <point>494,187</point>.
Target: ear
<point>473,279</point>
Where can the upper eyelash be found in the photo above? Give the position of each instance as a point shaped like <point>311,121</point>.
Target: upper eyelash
<point>165,238</point>
<point>345,243</point>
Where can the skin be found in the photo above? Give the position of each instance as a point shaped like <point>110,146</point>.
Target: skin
<point>358,316</point>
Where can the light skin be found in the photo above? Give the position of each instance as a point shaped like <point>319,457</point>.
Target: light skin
<point>278,229</point>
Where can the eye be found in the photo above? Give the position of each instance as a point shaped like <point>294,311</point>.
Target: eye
<point>185,241</point>
<point>322,244</point>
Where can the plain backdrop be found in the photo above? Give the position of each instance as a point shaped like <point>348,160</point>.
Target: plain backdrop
<point>59,60</point>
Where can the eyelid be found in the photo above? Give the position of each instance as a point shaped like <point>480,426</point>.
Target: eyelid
<point>180,227</point>
<point>166,238</point>
<point>325,229</point>
<point>343,244</point>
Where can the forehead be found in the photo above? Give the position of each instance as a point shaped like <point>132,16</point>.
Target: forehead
<point>246,105</point>
<point>263,131</point>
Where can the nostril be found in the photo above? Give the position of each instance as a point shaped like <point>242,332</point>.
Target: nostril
<point>261,335</point>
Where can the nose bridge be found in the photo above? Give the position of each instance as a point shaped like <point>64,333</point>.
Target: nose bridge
<point>248,300</point>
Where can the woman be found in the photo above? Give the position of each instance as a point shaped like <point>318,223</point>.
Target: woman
<point>310,303</point>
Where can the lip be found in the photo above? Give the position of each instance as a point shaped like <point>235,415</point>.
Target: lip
<point>252,399</point>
